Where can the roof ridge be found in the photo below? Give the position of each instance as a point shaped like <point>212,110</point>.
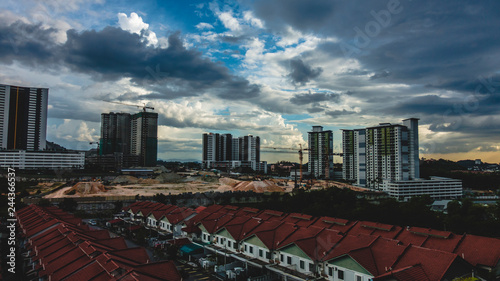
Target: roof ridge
<point>401,255</point>
<point>459,243</point>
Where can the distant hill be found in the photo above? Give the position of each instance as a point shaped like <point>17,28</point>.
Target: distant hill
<point>441,167</point>
<point>52,146</point>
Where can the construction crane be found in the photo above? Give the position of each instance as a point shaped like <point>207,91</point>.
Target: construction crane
<point>301,152</point>
<point>144,107</point>
<point>98,147</point>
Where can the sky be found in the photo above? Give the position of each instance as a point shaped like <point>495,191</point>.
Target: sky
<point>270,68</point>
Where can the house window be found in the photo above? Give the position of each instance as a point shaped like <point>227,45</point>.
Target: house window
<point>340,274</point>
<point>282,258</point>
<point>235,246</point>
<point>261,254</point>
<point>268,255</point>
<point>330,271</point>
<point>251,249</point>
<point>359,278</point>
<point>302,264</point>
<point>229,244</point>
<point>311,267</point>
<point>245,247</point>
<point>289,260</point>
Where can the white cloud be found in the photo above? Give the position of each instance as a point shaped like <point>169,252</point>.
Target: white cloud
<point>229,21</point>
<point>135,24</point>
<point>249,17</point>
<point>204,25</point>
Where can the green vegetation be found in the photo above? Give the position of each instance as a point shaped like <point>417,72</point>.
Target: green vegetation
<point>450,169</point>
<point>463,217</point>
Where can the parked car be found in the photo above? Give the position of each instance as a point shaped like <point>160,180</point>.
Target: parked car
<point>92,222</point>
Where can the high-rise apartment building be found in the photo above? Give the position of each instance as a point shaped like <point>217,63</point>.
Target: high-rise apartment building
<point>217,147</point>
<point>224,151</point>
<point>23,117</point>
<point>384,152</point>
<point>144,141</point>
<point>127,134</point>
<point>115,133</point>
<point>320,152</point>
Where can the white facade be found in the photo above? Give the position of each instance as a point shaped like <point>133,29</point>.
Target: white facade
<point>438,188</point>
<point>320,152</point>
<point>22,159</point>
<point>387,152</point>
<point>338,273</point>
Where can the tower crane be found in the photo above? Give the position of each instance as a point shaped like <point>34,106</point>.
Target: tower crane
<point>144,107</point>
<point>98,146</point>
<point>301,152</point>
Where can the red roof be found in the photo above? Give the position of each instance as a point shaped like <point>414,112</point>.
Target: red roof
<point>315,244</point>
<point>379,256</point>
<point>200,209</point>
<point>349,243</point>
<point>434,263</point>
<point>376,229</point>
<point>115,221</point>
<point>403,274</point>
<point>478,250</point>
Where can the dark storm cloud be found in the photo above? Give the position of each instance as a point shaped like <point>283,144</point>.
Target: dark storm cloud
<point>301,73</point>
<point>338,113</point>
<point>112,53</point>
<point>301,99</point>
<point>304,15</point>
<point>29,44</point>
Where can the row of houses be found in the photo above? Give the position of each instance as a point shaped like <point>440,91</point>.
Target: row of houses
<point>55,245</point>
<point>302,247</point>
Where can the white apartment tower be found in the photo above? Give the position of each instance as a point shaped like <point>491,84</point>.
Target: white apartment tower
<point>320,152</point>
<point>387,152</point>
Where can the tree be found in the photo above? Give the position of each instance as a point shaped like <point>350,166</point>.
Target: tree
<point>68,205</point>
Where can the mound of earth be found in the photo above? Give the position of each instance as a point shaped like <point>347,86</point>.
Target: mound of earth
<point>255,186</point>
<point>149,181</point>
<point>125,180</point>
<point>83,188</point>
<point>168,177</point>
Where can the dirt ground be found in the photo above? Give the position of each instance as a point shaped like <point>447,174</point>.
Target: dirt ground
<point>145,190</point>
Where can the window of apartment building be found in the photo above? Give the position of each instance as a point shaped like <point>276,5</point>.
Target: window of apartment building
<point>340,274</point>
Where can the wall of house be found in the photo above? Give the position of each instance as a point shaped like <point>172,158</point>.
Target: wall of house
<point>346,269</point>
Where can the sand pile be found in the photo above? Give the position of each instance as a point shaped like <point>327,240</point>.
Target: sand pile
<point>228,184</point>
<point>83,188</point>
<point>125,180</point>
<point>168,177</point>
<point>149,181</point>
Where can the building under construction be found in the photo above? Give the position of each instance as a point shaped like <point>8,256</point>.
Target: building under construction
<point>130,135</point>
<point>320,153</point>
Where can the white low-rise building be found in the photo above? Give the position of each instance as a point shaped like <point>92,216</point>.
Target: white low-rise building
<point>22,159</point>
<point>439,188</point>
